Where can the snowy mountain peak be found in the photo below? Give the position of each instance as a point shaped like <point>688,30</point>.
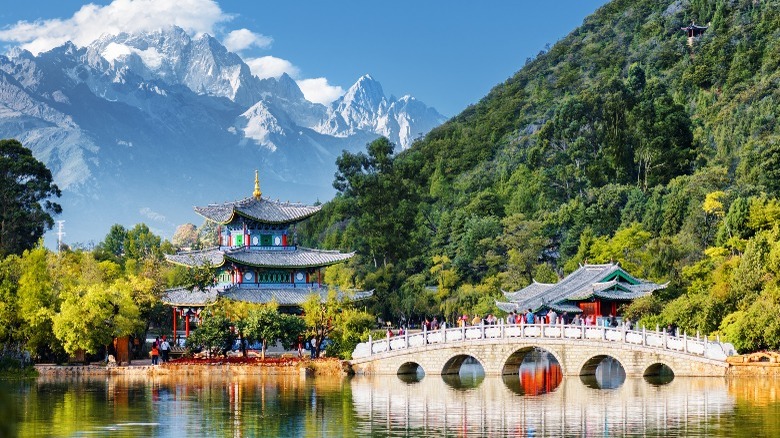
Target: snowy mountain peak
<point>202,64</point>
<point>162,112</point>
<point>364,107</point>
<point>366,93</point>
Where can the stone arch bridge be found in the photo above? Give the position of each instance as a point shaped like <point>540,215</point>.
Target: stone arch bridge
<point>500,350</point>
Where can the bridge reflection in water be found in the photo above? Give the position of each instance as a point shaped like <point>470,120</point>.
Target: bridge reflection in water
<point>502,406</point>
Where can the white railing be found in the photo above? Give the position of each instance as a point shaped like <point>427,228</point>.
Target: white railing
<point>697,346</point>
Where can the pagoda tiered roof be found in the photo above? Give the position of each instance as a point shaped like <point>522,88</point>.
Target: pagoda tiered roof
<point>607,281</point>
<point>287,296</point>
<point>290,257</point>
<point>182,297</point>
<point>260,209</point>
<point>185,297</point>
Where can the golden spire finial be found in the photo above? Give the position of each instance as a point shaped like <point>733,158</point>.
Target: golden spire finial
<point>257,193</point>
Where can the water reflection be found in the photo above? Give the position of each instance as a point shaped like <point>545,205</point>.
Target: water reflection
<point>609,374</point>
<point>386,406</point>
<point>430,408</point>
<point>539,373</point>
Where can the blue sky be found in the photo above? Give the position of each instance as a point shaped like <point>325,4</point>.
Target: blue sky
<point>446,53</point>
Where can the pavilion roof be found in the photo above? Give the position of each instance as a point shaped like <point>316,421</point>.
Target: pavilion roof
<point>183,297</point>
<point>288,296</point>
<point>260,209</point>
<point>294,257</point>
<point>299,258</point>
<point>194,298</point>
<point>213,256</point>
<point>694,26</point>
<point>608,281</point>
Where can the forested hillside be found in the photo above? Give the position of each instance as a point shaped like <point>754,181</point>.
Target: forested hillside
<point>622,142</point>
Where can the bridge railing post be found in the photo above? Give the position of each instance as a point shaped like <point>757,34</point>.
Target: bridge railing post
<point>666,340</point>
<point>685,340</point>
<point>425,335</point>
<point>561,326</point>
<point>370,345</point>
<point>482,329</point>
<point>501,321</point>
<point>443,332</point>
<point>644,335</point>
<point>406,337</point>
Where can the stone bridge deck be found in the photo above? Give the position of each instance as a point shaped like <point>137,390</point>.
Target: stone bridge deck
<point>500,349</point>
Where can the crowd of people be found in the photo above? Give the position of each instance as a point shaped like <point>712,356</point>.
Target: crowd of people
<point>551,317</point>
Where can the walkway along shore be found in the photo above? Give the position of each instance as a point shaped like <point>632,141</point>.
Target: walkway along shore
<point>324,366</point>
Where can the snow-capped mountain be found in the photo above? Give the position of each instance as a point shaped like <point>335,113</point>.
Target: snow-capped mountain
<point>140,127</point>
<point>365,107</point>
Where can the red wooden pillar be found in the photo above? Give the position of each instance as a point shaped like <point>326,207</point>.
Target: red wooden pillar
<point>187,325</point>
<point>174,324</point>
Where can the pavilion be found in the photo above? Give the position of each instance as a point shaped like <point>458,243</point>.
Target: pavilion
<point>597,290</point>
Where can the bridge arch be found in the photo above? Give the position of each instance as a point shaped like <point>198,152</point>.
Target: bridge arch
<point>453,364</point>
<point>512,362</point>
<point>658,369</point>
<point>588,368</point>
<point>410,368</point>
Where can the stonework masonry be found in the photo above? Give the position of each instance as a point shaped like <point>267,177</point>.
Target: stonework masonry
<point>503,356</point>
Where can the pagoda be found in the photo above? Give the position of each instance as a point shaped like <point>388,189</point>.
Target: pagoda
<point>596,290</point>
<point>256,258</point>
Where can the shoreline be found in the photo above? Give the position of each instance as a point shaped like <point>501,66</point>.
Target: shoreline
<point>303,367</point>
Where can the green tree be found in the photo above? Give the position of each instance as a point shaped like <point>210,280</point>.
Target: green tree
<point>25,188</point>
<point>378,200</point>
<point>38,302</point>
<point>11,322</point>
<point>141,243</point>
<point>321,317</point>
<point>663,128</point>
<point>113,245</point>
<point>269,326</point>
<point>93,316</point>
<point>215,334</point>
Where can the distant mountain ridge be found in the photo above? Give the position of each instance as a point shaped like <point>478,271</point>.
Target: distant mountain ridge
<point>141,126</point>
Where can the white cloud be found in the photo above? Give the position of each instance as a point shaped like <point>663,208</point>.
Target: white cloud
<point>91,21</point>
<point>194,16</point>
<point>318,90</point>
<point>271,67</point>
<point>151,214</point>
<point>241,39</point>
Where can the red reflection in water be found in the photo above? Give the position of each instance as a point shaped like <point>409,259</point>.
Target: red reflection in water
<point>539,378</point>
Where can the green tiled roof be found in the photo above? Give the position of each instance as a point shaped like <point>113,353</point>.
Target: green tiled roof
<point>287,296</point>
<point>287,258</point>
<point>214,256</point>
<point>262,210</point>
<point>299,258</point>
<point>607,281</point>
<point>184,297</point>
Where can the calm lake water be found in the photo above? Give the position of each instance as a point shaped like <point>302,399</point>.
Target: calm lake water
<point>537,401</point>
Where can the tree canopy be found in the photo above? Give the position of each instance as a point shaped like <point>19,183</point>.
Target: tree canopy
<point>26,186</point>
